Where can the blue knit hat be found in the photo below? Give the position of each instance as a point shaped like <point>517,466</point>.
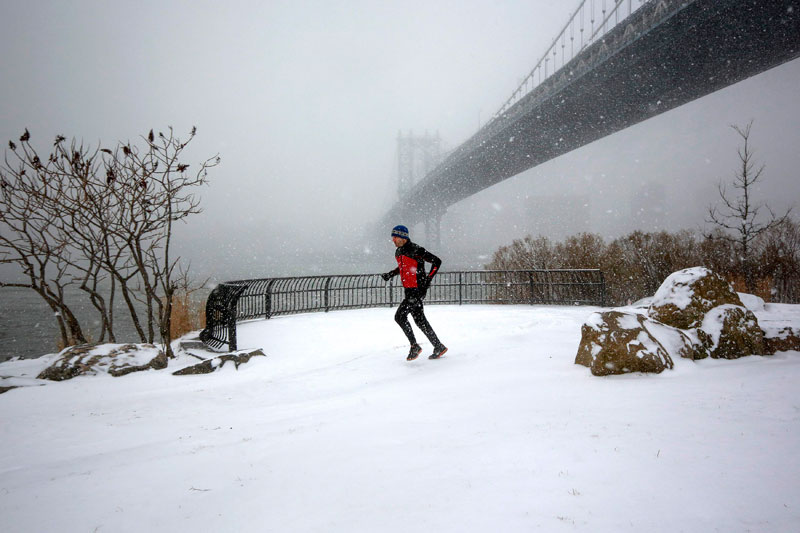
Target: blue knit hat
<point>400,231</point>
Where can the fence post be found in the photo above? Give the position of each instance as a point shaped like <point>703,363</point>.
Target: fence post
<point>231,306</point>
<point>232,334</point>
<point>268,310</point>
<point>530,284</point>
<point>602,289</point>
<point>460,287</point>
<point>327,295</point>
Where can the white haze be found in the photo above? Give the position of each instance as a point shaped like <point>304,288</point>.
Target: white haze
<point>303,101</point>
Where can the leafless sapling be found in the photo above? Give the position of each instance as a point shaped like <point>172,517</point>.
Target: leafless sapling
<point>739,216</point>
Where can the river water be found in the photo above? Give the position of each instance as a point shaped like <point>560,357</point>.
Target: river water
<point>29,329</point>
<point>27,325</point>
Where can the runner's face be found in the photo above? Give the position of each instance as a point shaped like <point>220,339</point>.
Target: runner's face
<point>398,241</point>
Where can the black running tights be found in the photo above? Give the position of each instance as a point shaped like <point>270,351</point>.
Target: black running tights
<point>412,304</point>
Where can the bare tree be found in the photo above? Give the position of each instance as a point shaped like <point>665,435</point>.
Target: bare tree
<point>526,253</point>
<point>30,236</point>
<point>103,221</point>
<point>156,193</point>
<point>739,215</point>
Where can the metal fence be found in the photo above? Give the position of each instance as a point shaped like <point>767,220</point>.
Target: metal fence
<point>264,298</point>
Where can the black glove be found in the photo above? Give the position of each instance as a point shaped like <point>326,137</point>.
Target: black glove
<point>386,276</point>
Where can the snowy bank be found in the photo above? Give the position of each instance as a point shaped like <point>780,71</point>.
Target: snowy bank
<point>335,431</point>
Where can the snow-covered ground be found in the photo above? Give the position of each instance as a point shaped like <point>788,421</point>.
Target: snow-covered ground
<point>335,431</point>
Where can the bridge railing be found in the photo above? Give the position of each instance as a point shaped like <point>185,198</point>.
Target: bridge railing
<point>587,25</point>
<point>264,298</point>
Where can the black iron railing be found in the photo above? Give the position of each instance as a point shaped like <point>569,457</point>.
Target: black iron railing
<point>264,298</point>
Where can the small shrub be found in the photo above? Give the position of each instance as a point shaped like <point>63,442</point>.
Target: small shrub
<point>636,264</point>
<point>188,314</point>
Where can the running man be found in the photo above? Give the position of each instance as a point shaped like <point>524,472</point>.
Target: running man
<point>411,260</point>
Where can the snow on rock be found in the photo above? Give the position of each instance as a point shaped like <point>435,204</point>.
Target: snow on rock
<point>11,382</point>
<point>751,301</point>
<point>686,344</point>
<point>615,342</point>
<point>643,303</point>
<point>781,326</point>
<point>114,359</point>
<point>685,297</point>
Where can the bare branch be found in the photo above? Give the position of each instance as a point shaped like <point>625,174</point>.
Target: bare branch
<point>99,219</point>
<point>739,217</point>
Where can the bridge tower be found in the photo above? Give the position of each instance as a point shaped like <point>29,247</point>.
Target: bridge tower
<point>417,155</point>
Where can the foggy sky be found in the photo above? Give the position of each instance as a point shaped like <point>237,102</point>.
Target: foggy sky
<point>303,102</point>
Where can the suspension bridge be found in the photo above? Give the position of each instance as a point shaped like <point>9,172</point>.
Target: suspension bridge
<point>615,63</point>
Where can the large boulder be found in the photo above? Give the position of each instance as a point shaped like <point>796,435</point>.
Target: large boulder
<point>615,342</point>
<point>733,331</point>
<point>685,297</point>
<point>115,359</point>
<point>694,314</point>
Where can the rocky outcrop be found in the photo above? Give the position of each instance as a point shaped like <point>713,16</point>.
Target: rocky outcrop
<point>781,340</point>
<point>685,297</point>
<point>615,342</point>
<point>115,359</point>
<point>211,365</point>
<point>695,314</point>
<point>704,305</point>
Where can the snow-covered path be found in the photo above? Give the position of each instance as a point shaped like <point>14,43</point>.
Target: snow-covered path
<point>335,431</point>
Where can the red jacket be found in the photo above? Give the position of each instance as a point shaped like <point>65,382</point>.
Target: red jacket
<point>411,260</point>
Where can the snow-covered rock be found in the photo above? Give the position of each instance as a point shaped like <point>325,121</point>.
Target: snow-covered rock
<point>685,297</point>
<point>114,359</point>
<point>733,331</point>
<point>694,314</point>
<point>11,382</point>
<point>615,342</point>
<point>215,363</point>
<point>781,331</point>
<point>781,339</point>
<point>644,303</point>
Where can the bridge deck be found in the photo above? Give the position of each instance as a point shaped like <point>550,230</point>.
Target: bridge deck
<point>668,53</point>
